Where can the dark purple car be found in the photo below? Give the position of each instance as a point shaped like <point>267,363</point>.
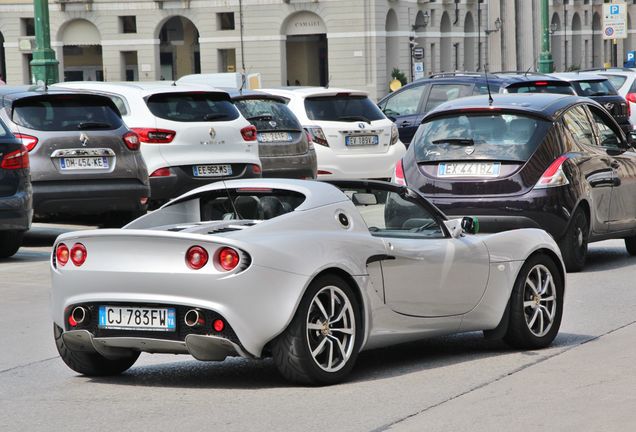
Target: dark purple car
<point>556,162</point>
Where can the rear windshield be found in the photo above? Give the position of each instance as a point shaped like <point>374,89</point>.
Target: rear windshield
<point>192,107</point>
<point>541,87</point>
<point>248,203</point>
<point>4,132</point>
<point>268,114</point>
<point>66,113</point>
<point>616,80</point>
<point>474,136</point>
<point>345,108</point>
<point>594,88</point>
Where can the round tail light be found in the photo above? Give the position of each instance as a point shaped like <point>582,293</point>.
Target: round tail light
<point>228,258</point>
<point>61,254</point>
<point>196,257</point>
<point>78,254</point>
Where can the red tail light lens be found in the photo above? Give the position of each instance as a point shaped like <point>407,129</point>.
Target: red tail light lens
<point>228,258</point>
<point>541,83</point>
<point>29,141</point>
<point>398,174</point>
<point>131,140</point>
<point>155,136</point>
<point>249,133</point>
<point>61,254</point>
<point>631,97</point>
<point>317,135</point>
<point>17,159</point>
<point>78,254</point>
<point>218,325</point>
<point>161,172</point>
<point>256,169</point>
<point>196,257</point>
<point>554,175</point>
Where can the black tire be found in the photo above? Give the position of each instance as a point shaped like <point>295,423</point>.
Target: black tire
<point>292,349</point>
<point>91,364</point>
<point>630,245</point>
<point>523,331</point>
<point>10,242</point>
<point>573,244</point>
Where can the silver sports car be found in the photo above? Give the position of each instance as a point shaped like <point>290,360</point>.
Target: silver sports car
<point>307,272</point>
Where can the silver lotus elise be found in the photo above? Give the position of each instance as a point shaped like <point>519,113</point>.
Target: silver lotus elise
<point>307,272</point>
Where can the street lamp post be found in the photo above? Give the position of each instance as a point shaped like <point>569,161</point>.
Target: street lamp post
<point>44,65</point>
<point>546,65</point>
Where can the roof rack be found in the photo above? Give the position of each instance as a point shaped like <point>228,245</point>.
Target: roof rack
<point>516,72</point>
<point>622,69</point>
<point>454,74</point>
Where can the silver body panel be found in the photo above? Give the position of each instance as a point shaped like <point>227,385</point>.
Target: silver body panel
<point>472,276</point>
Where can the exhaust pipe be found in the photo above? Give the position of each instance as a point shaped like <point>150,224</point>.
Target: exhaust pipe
<point>193,318</point>
<point>80,314</point>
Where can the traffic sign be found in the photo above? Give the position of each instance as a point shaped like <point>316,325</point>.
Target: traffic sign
<point>615,20</point>
<point>418,53</point>
<point>418,70</point>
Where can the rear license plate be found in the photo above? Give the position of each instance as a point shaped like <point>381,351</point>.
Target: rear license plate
<point>274,137</point>
<point>361,140</point>
<point>212,170</point>
<point>472,169</point>
<point>135,318</point>
<point>79,163</point>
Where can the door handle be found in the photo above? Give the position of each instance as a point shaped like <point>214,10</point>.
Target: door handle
<point>614,164</point>
<point>405,123</point>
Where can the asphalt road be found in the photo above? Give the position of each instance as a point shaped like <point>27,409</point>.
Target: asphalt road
<point>585,381</point>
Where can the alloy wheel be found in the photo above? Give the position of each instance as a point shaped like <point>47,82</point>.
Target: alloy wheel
<point>539,300</point>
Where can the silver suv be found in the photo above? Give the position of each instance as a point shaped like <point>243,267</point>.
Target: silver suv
<point>84,160</point>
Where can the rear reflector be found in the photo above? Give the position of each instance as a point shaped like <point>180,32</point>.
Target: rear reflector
<point>29,141</point>
<point>155,136</point>
<point>131,139</point>
<point>398,174</point>
<point>219,325</point>
<point>161,172</point>
<point>249,133</point>
<point>196,257</point>
<point>323,172</point>
<point>17,159</point>
<point>554,175</point>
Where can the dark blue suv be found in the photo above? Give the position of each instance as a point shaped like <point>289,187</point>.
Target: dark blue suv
<point>16,203</point>
<point>408,106</point>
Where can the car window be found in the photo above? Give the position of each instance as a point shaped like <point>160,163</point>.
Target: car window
<point>404,102</point>
<point>594,88</point>
<point>193,106</point>
<point>616,80</point>
<point>541,87</point>
<point>441,93</point>
<point>342,107</point>
<point>479,136</point>
<point>120,104</point>
<point>607,137</point>
<point>577,122</point>
<point>66,113</point>
<point>392,214</point>
<point>268,114</point>
<point>4,132</point>
<point>248,203</point>
<point>482,88</point>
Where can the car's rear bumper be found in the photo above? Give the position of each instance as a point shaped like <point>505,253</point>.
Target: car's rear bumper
<point>16,211</point>
<point>182,180</point>
<point>88,197</point>
<point>358,165</point>
<point>302,166</point>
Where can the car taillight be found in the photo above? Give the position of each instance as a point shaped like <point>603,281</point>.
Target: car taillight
<point>310,142</point>
<point>398,174</point>
<point>631,97</point>
<point>196,257</point>
<point>17,159</point>
<point>541,83</point>
<point>78,254</point>
<point>28,141</point>
<point>61,254</point>
<point>554,175</point>
<point>256,169</point>
<point>155,136</point>
<point>161,172</point>
<point>249,133</point>
<point>131,139</point>
<point>228,258</point>
<point>317,135</point>
<point>394,134</point>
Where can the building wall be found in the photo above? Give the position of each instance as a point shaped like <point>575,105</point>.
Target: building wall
<point>363,46</point>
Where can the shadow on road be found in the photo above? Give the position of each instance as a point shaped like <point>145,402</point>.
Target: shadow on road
<point>602,258</point>
<point>238,373</point>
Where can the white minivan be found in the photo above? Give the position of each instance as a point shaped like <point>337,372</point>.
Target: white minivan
<point>188,137</point>
<point>352,137</point>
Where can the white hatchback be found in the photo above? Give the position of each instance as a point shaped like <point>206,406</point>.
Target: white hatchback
<point>188,138</point>
<point>353,138</point>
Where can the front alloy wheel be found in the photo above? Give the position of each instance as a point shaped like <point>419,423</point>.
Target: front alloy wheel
<point>540,300</point>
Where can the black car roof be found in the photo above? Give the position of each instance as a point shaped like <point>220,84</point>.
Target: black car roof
<point>236,94</point>
<point>545,105</point>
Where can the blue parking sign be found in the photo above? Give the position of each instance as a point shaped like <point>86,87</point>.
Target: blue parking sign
<point>615,9</point>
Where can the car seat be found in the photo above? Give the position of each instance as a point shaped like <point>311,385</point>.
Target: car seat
<point>247,207</point>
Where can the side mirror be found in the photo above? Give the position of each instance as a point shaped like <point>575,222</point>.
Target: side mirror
<point>457,227</point>
<point>470,225</point>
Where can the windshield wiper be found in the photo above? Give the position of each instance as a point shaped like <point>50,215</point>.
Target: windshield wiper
<point>261,117</point>
<point>94,125</point>
<point>355,118</point>
<point>214,116</point>
<point>456,141</point>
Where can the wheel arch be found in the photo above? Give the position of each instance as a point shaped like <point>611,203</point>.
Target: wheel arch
<point>555,257</point>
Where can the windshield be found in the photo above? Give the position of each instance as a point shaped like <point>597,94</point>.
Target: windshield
<point>594,88</point>
<point>193,107</point>
<point>344,108</point>
<point>479,136</point>
<point>268,114</point>
<point>66,113</point>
